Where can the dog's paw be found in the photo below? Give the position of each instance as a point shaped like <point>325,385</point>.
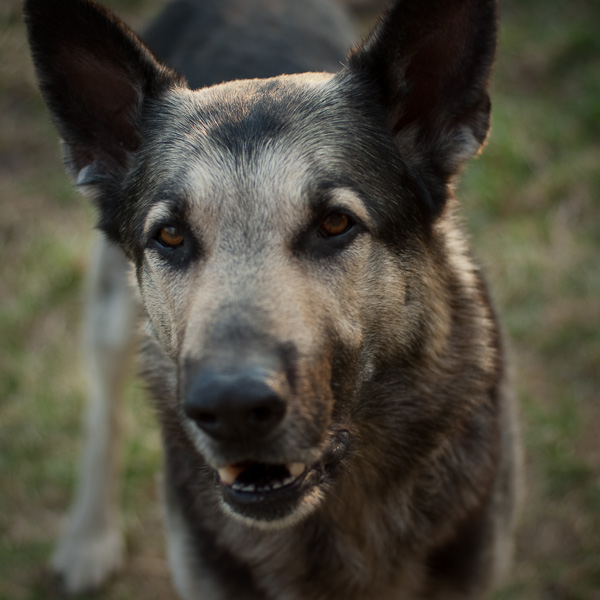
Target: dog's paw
<point>86,562</point>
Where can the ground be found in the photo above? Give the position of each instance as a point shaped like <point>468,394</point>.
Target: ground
<point>532,207</point>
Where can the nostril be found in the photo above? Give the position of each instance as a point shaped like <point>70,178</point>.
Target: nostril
<point>267,413</point>
<point>260,414</point>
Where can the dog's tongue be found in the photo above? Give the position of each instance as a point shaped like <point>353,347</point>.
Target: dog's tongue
<point>230,473</point>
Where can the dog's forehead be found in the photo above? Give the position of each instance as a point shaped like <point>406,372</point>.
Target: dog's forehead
<point>238,119</point>
<point>250,142</point>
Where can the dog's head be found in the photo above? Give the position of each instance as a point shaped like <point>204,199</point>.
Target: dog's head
<point>278,227</point>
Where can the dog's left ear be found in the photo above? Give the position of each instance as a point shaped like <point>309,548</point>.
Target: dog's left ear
<point>430,61</point>
<point>95,76</point>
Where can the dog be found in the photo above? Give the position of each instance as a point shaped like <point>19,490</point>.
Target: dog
<point>325,360</point>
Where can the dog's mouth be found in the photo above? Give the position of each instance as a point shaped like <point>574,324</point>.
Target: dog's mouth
<point>264,492</point>
<point>249,477</point>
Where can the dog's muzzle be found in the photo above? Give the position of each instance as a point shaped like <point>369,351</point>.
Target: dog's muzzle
<point>242,410</point>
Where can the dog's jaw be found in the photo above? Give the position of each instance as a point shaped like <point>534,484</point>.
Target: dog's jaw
<point>307,505</point>
<point>275,496</point>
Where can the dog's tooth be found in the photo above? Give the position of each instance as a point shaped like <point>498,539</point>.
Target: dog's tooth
<point>229,474</point>
<point>296,469</point>
<point>277,484</point>
<point>249,488</point>
<point>288,480</point>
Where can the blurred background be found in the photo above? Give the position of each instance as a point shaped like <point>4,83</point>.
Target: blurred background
<point>532,208</point>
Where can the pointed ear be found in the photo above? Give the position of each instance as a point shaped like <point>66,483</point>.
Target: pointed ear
<point>430,61</point>
<point>95,76</point>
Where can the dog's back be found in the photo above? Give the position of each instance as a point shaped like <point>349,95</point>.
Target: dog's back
<point>211,41</point>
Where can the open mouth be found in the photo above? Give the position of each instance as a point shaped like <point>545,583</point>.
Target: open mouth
<point>249,478</point>
<point>265,492</point>
<point>269,492</point>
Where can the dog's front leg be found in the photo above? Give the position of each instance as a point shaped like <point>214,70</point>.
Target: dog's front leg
<point>91,546</point>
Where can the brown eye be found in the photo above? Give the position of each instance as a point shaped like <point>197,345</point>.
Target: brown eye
<point>334,224</point>
<point>170,237</point>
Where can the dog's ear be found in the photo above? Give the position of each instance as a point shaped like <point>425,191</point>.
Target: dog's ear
<point>430,61</point>
<point>95,76</point>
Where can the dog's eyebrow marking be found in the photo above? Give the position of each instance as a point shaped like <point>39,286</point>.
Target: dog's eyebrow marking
<point>159,212</point>
<point>344,197</point>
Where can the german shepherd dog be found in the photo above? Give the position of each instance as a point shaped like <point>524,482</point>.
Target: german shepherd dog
<point>321,348</point>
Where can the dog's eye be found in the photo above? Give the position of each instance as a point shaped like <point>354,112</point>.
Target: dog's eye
<point>334,224</point>
<point>170,237</point>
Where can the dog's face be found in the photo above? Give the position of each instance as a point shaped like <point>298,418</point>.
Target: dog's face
<point>258,257</point>
<point>275,227</point>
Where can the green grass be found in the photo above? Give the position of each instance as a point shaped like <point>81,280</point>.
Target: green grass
<point>532,205</point>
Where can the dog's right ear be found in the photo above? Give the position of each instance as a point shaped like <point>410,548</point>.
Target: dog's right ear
<point>95,75</point>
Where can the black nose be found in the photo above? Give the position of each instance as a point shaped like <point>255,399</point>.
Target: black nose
<point>227,406</point>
